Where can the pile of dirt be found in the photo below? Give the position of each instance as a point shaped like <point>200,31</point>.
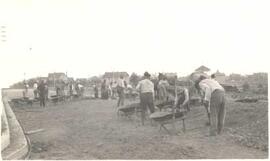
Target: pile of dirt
<point>248,95</point>
<point>249,124</point>
<point>247,100</point>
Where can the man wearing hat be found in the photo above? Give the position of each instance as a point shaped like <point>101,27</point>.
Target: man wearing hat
<point>214,97</point>
<point>146,90</point>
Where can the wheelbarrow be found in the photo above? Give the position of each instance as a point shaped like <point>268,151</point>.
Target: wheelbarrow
<point>57,98</point>
<point>169,117</point>
<point>165,105</point>
<point>128,110</point>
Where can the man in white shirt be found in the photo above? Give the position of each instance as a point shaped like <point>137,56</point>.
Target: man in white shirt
<point>146,90</point>
<point>214,97</point>
<point>162,88</point>
<point>35,90</point>
<point>121,91</point>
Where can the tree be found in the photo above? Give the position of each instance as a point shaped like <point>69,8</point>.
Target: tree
<point>95,80</point>
<point>134,79</point>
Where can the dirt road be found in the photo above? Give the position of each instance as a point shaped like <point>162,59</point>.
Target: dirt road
<point>90,129</point>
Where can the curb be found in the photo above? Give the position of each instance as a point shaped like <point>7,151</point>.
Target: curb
<point>5,137</point>
<point>19,146</point>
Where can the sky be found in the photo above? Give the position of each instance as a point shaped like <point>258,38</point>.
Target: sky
<point>86,38</point>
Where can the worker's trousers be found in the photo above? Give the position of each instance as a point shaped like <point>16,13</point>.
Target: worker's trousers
<point>147,101</point>
<point>217,112</point>
<point>121,99</point>
<point>42,100</point>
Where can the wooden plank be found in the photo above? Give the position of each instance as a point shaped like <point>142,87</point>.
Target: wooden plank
<point>34,131</point>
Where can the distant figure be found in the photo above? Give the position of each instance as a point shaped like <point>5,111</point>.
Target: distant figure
<point>58,90</point>
<point>146,89</point>
<point>35,86</point>
<point>121,91</point>
<point>26,86</point>
<point>214,97</point>
<point>81,89</point>
<point>162,88</point>
<point>129,90</point>
<point>46,92</point>
<point>71,87</point>
<point>77,88</point>
<point>25,92</point>
<point>96,91</point>
<point>213,76</point>
<point>104,90</point>
<point>156,86</point>
<point>110,90</point>
<point>125,83</point>
<point>114,89</point>
<point>156,89</point>
<point>42,93</point>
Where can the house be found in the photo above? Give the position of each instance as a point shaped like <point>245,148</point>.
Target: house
<point>220,77</point>
<point>170,75</point>
<point>57,77</point>
<point>202,69</point>
<point>115,76</point>
<point>258,78</point>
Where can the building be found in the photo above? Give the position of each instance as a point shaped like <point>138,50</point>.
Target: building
<point>220,77</point>
<point>115,76</point>
<point>258,78</point>
<point>202,69</point>
<point>170,75</point>
<point>57,77</point>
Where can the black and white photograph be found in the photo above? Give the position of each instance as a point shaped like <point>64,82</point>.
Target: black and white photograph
<point>134,79</point>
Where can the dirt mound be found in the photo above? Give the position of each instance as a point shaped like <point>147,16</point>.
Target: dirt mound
<point>248,124</point>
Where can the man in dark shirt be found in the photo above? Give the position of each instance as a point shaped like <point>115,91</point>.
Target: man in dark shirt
<point>42,93</point>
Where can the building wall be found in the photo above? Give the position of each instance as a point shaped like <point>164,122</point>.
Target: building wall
<point>109,80</point>
<point>221,79</point>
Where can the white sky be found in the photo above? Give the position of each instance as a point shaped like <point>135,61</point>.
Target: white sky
<point>87,38</point>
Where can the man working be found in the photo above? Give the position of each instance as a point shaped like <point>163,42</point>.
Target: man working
<point>35,90</point>
<point>121,91</point>
<point>42,93</point>
<point>146,90</point>
<point>182,99</point>
<point>162,88</point>
<point>214,96</point>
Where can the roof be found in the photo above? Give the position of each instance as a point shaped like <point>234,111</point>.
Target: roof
<point>203,69</point>
<point>115,74</point>
<point>219,73</point>
<point>170,74</point>
<point>56,75</point>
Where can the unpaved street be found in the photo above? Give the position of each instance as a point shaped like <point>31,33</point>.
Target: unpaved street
<point>90,129</point>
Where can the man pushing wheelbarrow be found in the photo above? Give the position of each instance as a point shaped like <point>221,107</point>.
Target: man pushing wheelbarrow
<point>176,112</point>
<point>146,91</point>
